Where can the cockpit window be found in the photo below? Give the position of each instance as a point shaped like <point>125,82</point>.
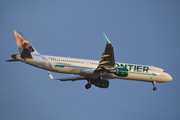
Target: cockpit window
<point>164,71</point>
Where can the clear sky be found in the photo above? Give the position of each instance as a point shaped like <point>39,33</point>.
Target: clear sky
<point>142,32</point>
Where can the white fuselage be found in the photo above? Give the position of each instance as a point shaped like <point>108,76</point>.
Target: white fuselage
<point>86,67</point>
<point>94,71</point>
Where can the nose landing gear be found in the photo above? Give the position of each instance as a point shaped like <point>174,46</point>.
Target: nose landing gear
<point>154,88</point>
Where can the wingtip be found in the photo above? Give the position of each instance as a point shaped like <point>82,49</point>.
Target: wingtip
<point>106,39</point>
<point>50,75</point>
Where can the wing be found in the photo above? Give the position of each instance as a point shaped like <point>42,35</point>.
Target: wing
<point>107,61</point>
<point>106,64</point>
<point>67,79</point>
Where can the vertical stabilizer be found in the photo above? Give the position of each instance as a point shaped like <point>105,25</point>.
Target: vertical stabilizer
<point>26,50</point>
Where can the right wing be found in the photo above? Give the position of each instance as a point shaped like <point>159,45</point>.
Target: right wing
<point>67,79</point>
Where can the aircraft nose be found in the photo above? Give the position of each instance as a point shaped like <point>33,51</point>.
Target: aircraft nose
<point>169,78</point>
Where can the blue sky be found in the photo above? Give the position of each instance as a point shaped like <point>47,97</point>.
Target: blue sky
<point>141,32</point>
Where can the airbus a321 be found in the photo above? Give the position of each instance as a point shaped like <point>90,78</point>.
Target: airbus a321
<point>95,72</point>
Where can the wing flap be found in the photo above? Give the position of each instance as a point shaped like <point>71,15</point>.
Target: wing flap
<point>104,62</point>
<point>104,56</point>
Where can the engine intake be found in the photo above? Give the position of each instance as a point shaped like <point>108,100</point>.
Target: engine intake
<point>121,72</point>
<point>14,56</point>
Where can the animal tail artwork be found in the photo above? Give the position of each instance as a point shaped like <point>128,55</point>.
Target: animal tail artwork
<point>26,50</point>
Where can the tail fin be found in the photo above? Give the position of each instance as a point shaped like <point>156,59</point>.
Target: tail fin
<point>25,48</point>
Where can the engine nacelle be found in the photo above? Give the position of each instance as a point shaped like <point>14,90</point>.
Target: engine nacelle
<point>101,83</point>
<point>123,72</point>
<point>14,56</point>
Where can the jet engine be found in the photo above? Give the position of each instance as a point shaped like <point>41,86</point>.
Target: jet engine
<point>123,72</point>
<point>101,83</point>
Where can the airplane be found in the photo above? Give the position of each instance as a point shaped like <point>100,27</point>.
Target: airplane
<point>95,72</point>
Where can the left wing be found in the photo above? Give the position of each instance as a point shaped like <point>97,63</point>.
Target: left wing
<point>67,79</point>
<point>106,64</point>
<point>107,61</point>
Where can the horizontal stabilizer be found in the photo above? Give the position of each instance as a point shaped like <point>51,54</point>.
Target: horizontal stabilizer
<point>12,60</point>
<point>67,79</point>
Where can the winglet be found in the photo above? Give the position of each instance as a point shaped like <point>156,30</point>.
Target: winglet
<point>106,39</point>
<point>50,75</point>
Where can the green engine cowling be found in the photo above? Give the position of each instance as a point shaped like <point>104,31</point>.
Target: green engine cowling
<point>101,83</point>
<point>123,72</point>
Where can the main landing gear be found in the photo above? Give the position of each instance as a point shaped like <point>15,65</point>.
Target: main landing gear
<point>154,88</point>
<point>87,86</point>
